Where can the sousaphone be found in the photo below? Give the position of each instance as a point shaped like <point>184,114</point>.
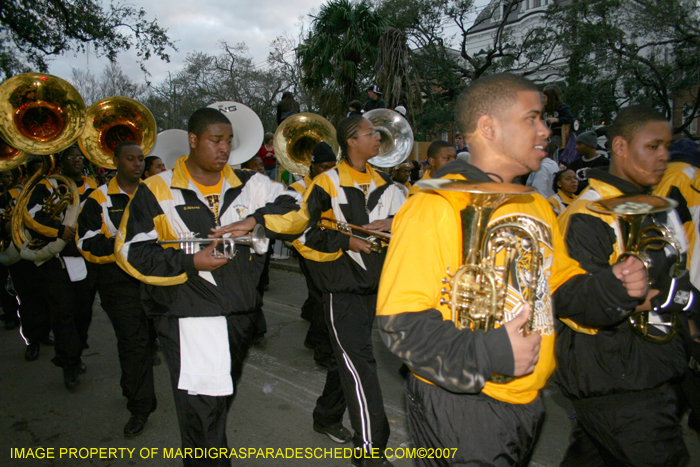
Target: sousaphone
<point>248,132</point>
<point>296,137</point>
<point>170,146</point>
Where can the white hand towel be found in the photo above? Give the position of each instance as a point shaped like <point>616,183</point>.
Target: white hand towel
<point>205,356</point>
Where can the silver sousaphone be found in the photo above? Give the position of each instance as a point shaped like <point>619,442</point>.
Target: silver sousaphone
<point>170,146</point>
<point>248,131</point>
<point>396,134</point>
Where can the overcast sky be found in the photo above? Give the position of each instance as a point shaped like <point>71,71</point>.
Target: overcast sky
<point>199,26</point>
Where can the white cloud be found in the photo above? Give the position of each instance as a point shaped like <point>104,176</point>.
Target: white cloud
<point>200,26</point>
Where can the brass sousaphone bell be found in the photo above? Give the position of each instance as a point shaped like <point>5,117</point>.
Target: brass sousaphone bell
<point>296,137</point>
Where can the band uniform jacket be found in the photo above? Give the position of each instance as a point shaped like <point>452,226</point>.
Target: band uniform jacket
<point>44,227</point>
<point>98,224</point>
<point>336,195</point>
<point>168,205</point>
<point>417,327</point>
<point>598,353</point>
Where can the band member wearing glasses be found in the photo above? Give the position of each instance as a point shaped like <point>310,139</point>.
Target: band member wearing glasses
<point>202,306</point>
<point>120,294</point>
<point>621,384</point>
<point>451,401</point>
<point>347,272</point>
<point>69,292</point>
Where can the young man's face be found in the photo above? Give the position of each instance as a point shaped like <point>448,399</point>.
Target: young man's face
<point>585,150</point>
<point>402,174</point>
<point>318,169</point>
<point>72,162</point>
<point>372,95</point>
<point>256,165</point>
<point>643,160</point>
<point>443,156</point>
<point>6,180</point>
<point>522,134</point>
<point>459,141</point>
<point>210,150</point>
<point>130,163</point>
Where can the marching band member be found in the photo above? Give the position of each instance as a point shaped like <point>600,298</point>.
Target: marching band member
<point>439,153</point>
<point>347,272</point>
<point>67,288</point>
<point>451,403</point>
<point>565,185</point>
<point>402,173</point>
<point>119,292</point>
<point>620,384</point>
<point>202,306</point>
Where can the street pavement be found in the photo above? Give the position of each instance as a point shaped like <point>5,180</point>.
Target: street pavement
<point>269,422</point>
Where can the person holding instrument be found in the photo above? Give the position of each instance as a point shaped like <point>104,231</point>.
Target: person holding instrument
<point>453,396</point>
<point>347,272</point>
<point>202,306</point>
<point>621,382</point>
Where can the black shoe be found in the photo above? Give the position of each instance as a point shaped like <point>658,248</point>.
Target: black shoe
<point>11,324</point>
<point>32,352</point>
<point>337,433</point>
<point>134,426</point>
<point>70,377</point>
<point>370,461</point>
<point>47,341</point>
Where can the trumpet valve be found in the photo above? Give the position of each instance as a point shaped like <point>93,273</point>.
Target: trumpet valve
<point>444,291</point>
<point>445,302</point>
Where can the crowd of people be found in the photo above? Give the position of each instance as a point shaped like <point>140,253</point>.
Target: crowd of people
<point>567,309</point>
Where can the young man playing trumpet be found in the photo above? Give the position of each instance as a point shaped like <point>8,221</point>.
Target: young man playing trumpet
<point>452,403</point>
<point>347,272</point>
<point>202,306</point>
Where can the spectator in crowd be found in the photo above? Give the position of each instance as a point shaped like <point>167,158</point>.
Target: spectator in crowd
<point>287,107</point>
<point>267,155</point>
<point>557,115</point>
<point>375,99</point>
<point>355,108</point>
<point>586,144</point>
<point>460,145</point>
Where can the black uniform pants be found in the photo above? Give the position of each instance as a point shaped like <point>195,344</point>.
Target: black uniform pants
<point>70,304</point>
<point>7,301</point>
<point>350,318</point>
<point>634,429</point>
<point>484,431</point>
<point>33,309</point>
<point>202,419</point>
<point>312,311</point>
<point>122,303</point>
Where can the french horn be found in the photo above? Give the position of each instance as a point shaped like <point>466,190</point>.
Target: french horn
<point>296,137</point>
<point>479,287</point>
<point>396,137</point>
<point>630,212</point>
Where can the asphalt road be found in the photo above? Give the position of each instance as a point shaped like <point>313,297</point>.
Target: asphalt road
<point>270,416</point>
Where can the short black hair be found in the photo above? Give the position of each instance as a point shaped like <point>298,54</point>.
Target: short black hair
<point>436,146</point>
<point>120,147</point>
<point>202,118</point>
<point>356,105</point>
<point>630,120</point>
<point>489,95</point>
<point>69,148</point>
<point>347,128</point>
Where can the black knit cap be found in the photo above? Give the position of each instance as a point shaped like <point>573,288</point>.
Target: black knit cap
<point>322,153</point>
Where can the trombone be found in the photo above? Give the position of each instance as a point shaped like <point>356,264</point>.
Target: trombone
<point>374,238</point>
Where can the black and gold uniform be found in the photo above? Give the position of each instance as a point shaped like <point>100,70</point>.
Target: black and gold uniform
<point>450,368</point>
<point>348,281</point>
<point>618,382</point>
<point>119,295</point>
<point>560,201</point>
<point>67,289</point>
<point>205,355</point>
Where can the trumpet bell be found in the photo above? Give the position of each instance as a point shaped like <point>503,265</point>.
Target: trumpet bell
<point>296,137</point>
<point>114,120</point>
<point>396,134</point>
<point>248,132</point>
<point>42,114</point>
<point>170,146</point>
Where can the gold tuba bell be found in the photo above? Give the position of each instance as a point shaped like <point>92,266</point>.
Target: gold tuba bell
<point>478,289</point>
<point>296,137</point>
<point>630,211</point>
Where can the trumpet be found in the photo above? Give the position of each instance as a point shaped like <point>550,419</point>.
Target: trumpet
<point>375,239</point>
<point>190,244</point>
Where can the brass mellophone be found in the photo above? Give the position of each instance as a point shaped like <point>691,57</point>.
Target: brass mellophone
<point>374,238</point>
<point>191,245</point>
